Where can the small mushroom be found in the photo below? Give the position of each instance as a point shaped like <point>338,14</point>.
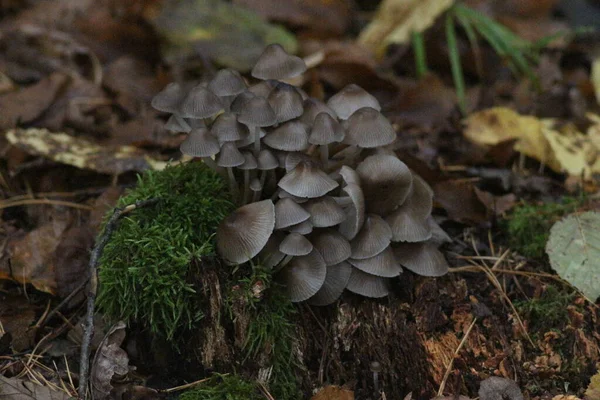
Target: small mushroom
<point>376,369</point>
<point>325,130</point>
<point>200,103</point>
<point>276,63</point>
<point>303,228</point>
<point>248,165</point>
<point>286,102</point>
<point>306,180</point>
<point>294,245</point>
<point>367,128</point>
<point>288,213</point>
<point>282,194</point>
<point>244,233</point>
<point>175,123</point>
<point>350,99</point>
<point>355,213</point>
<point>372,239</point>
<point>230,157</point>
<point>227,82</point>
<point>438,235</point>
<point>168,99</point>
<point>291,136</point>
<point>303,276</point>
<point>421,258</point>
<point>335,283</point>
<point>270,255</point>
<point>314,107</point>
<point>367,285</point>
<point>324,212</point>
<point>407,227</point>
<point>239,101</point>
<point>226,128</point>
<point>386,182</point>
<point>383,264</point>
<point>292,159</point>
<point>331,245</point>
<point>256,113</point>
<point>200,143</point>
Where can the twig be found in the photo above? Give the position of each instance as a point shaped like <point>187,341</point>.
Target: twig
<point>93,279</point>
<point>451,363</point>
<point>186,386</point>
<point>46,201</point>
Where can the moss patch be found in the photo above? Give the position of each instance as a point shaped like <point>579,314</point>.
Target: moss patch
<point>547,312</point>
<point>528,226</point>
<point>144,268</point>
<point>224,387</point>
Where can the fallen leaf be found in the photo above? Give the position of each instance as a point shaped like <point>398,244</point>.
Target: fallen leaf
<point>397,20</point>
<point>321,17</point>
<point>459,200</point>
<point>16,317</point>
<point>496,388</point>
<point>82,153</point>
<point>22,107</point>
<point>18,389</point>
<point>573,150</point>
<point>110,362</point>
<point>227,33</point>
<point>574,251</point>
<point>31,255</point>
<point>593,390</point>
<point>333,393</point>
<point>496,205</point>
<point>495,125</point>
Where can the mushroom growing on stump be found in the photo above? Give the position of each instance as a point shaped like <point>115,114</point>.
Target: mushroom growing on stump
<point>348,213</point>
<point>244,233</point>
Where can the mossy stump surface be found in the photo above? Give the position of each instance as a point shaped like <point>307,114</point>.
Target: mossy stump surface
<point>160,274</point>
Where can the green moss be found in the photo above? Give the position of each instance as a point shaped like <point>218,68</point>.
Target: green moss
<point>271,332</point>
<point>224,387</point>
<point>144,267</point>
<point>549,311</point>
<point>528,226</point>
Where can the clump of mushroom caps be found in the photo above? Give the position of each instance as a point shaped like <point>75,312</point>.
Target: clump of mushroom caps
<point>323,201</point>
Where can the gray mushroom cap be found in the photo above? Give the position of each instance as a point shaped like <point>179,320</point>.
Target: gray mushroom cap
<point>226,128</point>
<point>374,237</point>
<point>419,202</point>
<point>249,161</point>
<point>421,258</point>
<point>303,228</point>
<point>200,103</point>
<point>326,130</point>
<point>267,160</point>
<point>368,285</point>
<point>227,82</point>
<point>314,107</point>
<point>238,103</point>
<point>288,213</point>
<point>276,63</point>
<point>244,233</point>
<point>168,99</point>
<point>295,244</point>
<point>408,228</point>
<point>350,99</point>
<point>331,245</point>
<point>438,235</point>
<point>386,182</point>
<point>303,276</point>
<point>175,123</point>
<point>383,264</point>
<point>335,282</point>
<point>306,180</point>
<point>200,143</point>
<point>355,213</point>
<point>324,212</point>
<point>291,136</point>
<point>367,128</point>
<point>230,156</point>
<point>286,102</point>
<point>270,255</point>
<point>257,112</point>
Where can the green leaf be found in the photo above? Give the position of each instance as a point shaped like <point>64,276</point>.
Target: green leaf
<point>574,251</point>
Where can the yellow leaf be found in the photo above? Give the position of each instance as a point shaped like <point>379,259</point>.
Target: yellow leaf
<point>396,20</point>
<point>495,125</point>
<point>82,153</point>
<point>595,77</point>
<point>574,151</point>
<point>593,390</point>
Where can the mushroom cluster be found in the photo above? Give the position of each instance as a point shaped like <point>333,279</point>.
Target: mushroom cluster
<point>323,201</point>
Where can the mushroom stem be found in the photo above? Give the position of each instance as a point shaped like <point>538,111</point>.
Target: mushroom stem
<point>256,141</point>
<point>233,187</point>
<point>212,165</point>
<point>246,186</point>
<point>285,261</point>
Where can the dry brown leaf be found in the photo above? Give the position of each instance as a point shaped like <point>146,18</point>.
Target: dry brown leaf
<point>333,393</point>
<point>460,201</point>
<point>82,153</point>
<point>18,389</point>
<point>110,362</point>
<point>396,20</point>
